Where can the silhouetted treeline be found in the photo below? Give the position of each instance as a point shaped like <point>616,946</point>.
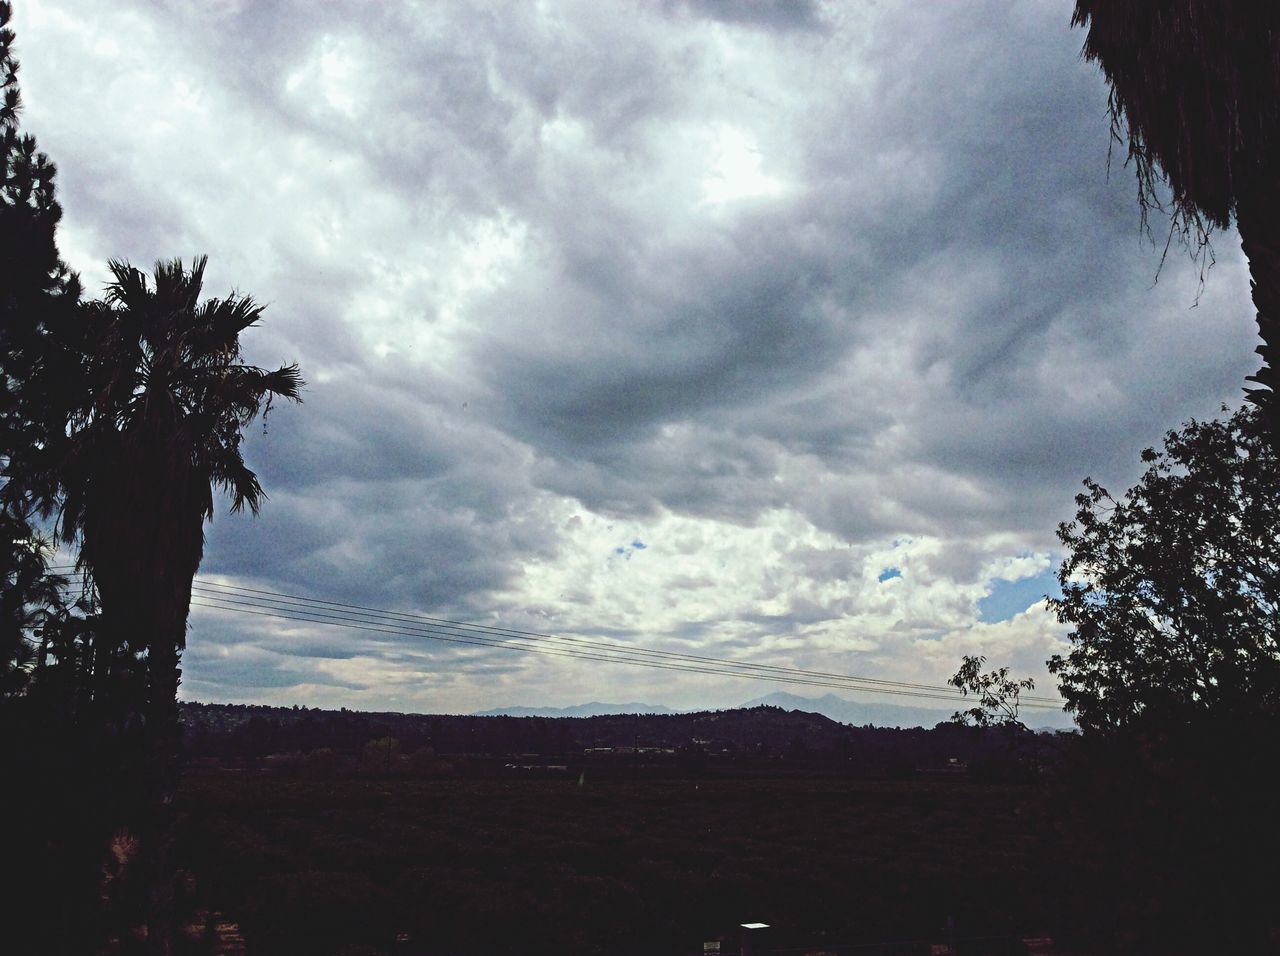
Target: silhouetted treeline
<point>246,735</point>
<point>1174,835</point>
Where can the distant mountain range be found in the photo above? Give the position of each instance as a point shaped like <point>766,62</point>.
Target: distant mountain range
<point>854,712</point>
<point>860,713</point>
<point>593,709</point>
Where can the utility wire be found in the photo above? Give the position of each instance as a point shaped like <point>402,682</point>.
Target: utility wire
<point>333,613</point>
<point>621,658</point>
<point>397,617</point>
<point>578,655</point>
<point>456,627</point>
<point>276,598</point>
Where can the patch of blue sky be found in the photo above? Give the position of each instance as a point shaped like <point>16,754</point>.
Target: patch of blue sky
<point>889,573</point>
<point>626,551</point>
<point>1008,598</point>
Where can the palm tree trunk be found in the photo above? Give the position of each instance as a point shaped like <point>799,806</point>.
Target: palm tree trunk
<point>161,784</point>
<point>1258,219</point>
<point>169,608</point>
<point>144,556</point>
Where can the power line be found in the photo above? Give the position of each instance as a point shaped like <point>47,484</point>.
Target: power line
<point>283,606</point>
<point>621,658</point>
<point>398,617</point>
<point>452,626</point>
<point>288,607</point>
<point>579,655</point>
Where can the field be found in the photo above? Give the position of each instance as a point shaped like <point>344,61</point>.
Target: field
<point>363,866</point>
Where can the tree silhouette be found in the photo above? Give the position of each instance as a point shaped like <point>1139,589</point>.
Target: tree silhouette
<point>57,752</point>
<point>165,402</point>
<point>121,416</point>
<point>37,302</point>
<point>1173,591</point>
<point>31,601</point>
<point>1195,94</point>
<point>996,692</point>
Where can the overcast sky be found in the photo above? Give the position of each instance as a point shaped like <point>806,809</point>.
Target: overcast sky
<point>768,330</point>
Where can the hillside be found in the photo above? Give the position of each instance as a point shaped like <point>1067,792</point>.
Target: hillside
<point>283,729</point>
<point>751,740</point>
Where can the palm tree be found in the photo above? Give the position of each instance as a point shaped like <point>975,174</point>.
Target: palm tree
<point>158,427</point>
<point>1195,93</point>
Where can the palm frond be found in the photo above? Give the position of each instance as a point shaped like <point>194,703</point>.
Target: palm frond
<point>166,403</point>
<point>177,289</point>
<point>286,382</point>
<point>129,288</point>
<point>1195,94</point>
<point>233,477</point>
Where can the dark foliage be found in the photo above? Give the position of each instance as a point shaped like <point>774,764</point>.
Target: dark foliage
<point>1174,837</point>
<point>1173,593</point>
<point>120,417</point>
<point>997,694</point>
<point>37,302</point>
<point>57,751</point>
<point>155,429</point>
<point>1195,95</point>
<point>763,738</point>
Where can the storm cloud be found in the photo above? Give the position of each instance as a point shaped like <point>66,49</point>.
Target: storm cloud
<point>791,294</point>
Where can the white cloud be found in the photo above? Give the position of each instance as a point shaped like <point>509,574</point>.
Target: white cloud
<point>736,168</point>
<point>332,80</point>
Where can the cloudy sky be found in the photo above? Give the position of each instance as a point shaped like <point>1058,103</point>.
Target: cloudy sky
<point>775,331</point>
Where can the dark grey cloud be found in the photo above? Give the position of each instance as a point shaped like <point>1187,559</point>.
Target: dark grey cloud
<point>1019,261</point>
<point>750,331</point>
<point>770,14</point>
<point>795,288</point>
<point>235,679</point>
